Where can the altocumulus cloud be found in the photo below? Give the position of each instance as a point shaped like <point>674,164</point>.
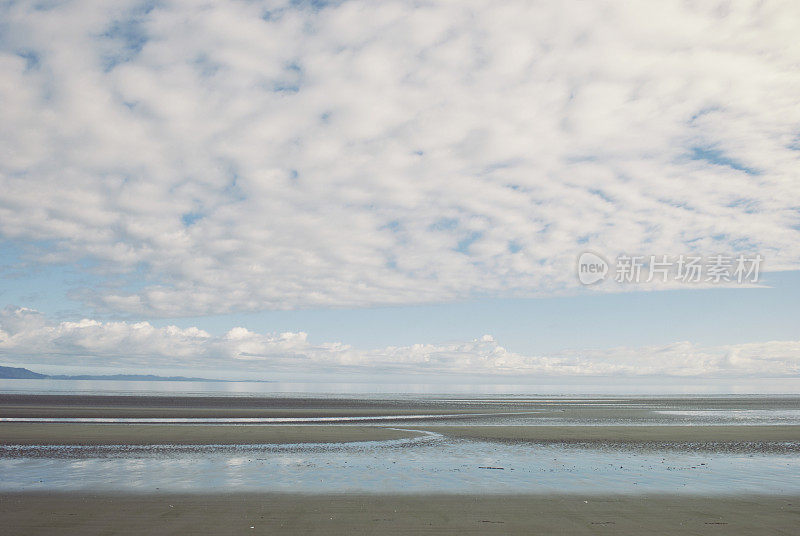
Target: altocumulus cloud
<point>26,336</point>
<point>229,156</point>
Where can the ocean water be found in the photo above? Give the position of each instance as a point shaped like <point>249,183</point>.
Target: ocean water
<point>365,388</point>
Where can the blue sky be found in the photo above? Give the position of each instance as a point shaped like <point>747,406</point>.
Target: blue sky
<point>351,187</point>
<point>710,316</point>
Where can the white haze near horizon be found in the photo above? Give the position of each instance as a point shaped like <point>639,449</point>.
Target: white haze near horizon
<point>29,338</point>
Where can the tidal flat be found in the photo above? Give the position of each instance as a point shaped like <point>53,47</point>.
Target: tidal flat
<point>440,463</point>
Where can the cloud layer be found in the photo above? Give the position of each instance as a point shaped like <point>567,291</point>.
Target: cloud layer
<point>26,336</point>
<point>230,156</point>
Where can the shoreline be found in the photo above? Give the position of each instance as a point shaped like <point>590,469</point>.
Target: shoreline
<point>268,513</point>
<point>755,437</point>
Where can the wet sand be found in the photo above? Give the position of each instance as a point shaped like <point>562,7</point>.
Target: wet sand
<point>595,408</point>
<point>188,434</point>
<point>478,419</point>
<point>88,514</point>
<point>99,406</point>
<point>624,434</point>
<point>23,433</point>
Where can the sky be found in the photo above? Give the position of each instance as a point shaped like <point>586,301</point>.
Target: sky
<point>401,189</point>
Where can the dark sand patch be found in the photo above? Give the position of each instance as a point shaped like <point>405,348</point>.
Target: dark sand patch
<point>89,514</point>
<point>88,406</point>
<point>191,434</point>
<point>534,409</point>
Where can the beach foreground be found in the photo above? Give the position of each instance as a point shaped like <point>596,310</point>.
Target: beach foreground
<point>412,465</point>
<point>87,514</point>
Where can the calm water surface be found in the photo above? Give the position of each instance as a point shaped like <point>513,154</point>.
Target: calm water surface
<point>431,464</point>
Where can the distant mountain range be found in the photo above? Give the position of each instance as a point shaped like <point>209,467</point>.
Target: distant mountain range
<point>17,373</point>
<point>14,373</point>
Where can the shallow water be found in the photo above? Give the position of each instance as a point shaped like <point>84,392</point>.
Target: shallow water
<point>428,464</point>
<point>434,463</point>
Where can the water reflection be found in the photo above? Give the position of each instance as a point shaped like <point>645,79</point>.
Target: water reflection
<point>431,464</point>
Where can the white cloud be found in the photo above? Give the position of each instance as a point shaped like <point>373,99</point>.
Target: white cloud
<point>217,157</point>
<point>25,337</point>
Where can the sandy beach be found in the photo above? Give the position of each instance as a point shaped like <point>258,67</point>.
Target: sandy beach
<point>624,434</point>
<point>81,406</point>
<point>26,433</point>
<point>594,408</point>
<point>593,421</point>
<point>89,514</point>
<point>450,478</point>
<point>143,434</point>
